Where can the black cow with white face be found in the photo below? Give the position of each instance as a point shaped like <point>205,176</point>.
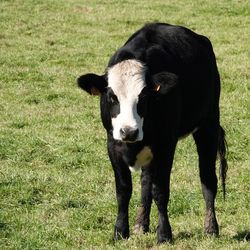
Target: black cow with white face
<point>161,86</point>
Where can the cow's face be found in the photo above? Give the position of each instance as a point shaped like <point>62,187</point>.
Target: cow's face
<point>126,96</point>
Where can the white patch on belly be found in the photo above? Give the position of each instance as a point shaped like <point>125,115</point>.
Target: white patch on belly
<point>143,158</point>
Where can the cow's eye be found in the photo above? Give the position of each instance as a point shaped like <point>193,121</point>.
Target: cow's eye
<point>142,103</point>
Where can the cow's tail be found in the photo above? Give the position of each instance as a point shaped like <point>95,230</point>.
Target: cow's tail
<point>222,151</point>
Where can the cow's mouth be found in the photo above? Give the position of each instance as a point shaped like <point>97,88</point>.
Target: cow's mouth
<point>129,142</point>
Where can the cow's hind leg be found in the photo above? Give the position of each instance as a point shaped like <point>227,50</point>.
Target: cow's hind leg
<point>143,214</point>
<point>206,139</point>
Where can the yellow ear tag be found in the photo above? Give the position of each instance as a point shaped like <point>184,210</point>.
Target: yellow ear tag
<point>157,87</point>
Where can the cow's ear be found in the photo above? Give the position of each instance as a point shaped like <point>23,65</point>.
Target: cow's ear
<point>92,83</point>
<point>164,82</point>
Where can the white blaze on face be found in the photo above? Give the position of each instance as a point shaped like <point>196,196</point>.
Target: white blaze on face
<point>127,79</point>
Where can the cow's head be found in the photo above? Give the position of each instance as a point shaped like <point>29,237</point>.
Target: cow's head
<point>127,91</point>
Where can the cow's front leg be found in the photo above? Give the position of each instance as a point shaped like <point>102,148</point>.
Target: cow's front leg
<point>143,214</point>
<point>123,194</point>
<point>123,184</point>
<point>161,180</point>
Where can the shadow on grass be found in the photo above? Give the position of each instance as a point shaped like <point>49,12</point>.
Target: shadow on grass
<point>242,236</point>
<point>5,229</point>
<point>3,226</point>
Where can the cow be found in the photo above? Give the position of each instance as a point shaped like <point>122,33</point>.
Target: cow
<point>160,86</point>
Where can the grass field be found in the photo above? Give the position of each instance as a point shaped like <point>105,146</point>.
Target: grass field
<point>56,182</point>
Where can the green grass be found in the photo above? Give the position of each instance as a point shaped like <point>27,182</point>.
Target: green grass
<point>56,183</point>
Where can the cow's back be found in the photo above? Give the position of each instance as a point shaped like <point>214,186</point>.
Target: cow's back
<point>176,49</point>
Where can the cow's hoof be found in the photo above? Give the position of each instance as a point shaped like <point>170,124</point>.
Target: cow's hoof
<point>140,229</point>
<point>164,239</point>
<point>142,220</point>
<point>212,230</point>
<point>120,234</point>
<point>211,225</point>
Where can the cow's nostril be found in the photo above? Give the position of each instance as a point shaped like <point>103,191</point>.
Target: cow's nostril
<point>129,134</point>
<point>133,134</point>
<point>123,132</point>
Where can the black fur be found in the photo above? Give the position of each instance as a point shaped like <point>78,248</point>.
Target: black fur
<point>183,64</point>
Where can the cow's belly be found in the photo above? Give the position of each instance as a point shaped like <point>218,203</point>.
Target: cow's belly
<point>187,134</point>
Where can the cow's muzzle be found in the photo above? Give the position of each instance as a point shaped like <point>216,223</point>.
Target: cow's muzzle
<point>129,135</point>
